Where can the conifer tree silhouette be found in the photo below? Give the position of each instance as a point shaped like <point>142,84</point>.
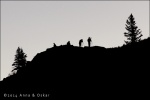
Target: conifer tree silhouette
<point>20,59</point>
<point>134,34</point>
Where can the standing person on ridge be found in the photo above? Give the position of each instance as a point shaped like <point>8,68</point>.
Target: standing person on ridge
<point>89,41</point>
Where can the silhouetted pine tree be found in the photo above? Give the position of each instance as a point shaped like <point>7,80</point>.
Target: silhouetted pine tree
<point>20,59</point>
<point>134,34</point>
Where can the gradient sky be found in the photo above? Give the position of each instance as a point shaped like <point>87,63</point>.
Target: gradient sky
<point>36,25</point>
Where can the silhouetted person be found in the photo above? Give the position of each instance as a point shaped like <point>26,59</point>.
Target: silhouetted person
<point>80,42</point>
<point>89,41</point>
<point>54,45</point>
<point>68,43</point>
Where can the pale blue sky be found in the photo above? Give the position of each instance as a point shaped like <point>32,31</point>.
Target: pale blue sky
<point>36,25</point>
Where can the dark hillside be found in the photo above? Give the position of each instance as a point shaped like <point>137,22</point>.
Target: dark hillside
<point>69,72</point>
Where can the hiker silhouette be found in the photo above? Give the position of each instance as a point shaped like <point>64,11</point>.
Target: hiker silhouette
<point>80,42</point>
<point>89,41</point>
<point>68,43</point>
<point>54,45</point>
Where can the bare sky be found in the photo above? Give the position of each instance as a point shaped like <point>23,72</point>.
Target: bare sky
<point>36,25</point>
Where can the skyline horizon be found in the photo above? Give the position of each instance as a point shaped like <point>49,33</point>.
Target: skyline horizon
<point>35,26</point>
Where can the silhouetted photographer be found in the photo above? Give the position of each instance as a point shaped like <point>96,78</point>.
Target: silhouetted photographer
<point>80,43</point>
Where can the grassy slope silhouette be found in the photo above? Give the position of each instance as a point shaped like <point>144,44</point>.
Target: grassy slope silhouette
<point>69,72</point>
